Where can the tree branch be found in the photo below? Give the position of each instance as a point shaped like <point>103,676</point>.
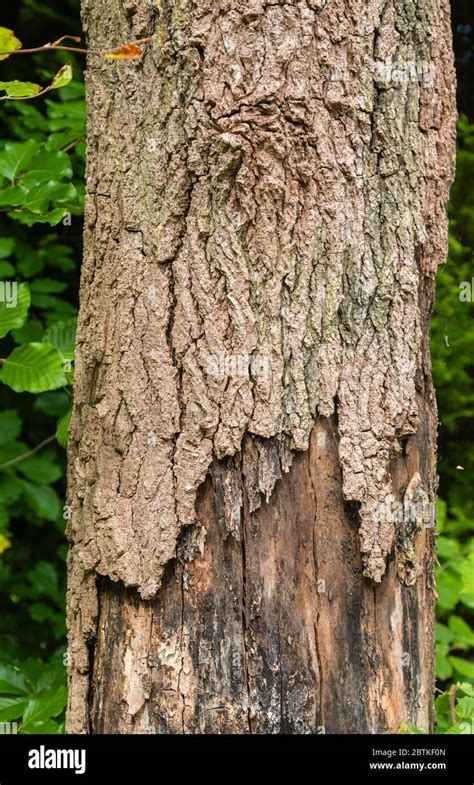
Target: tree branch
<point>56,46</point>
<point>27,454</point>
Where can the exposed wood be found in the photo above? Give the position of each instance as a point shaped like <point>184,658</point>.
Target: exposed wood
<point>270,627</point>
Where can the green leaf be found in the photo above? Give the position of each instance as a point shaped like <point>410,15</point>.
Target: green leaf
<point>62,335</point>
<point>449,587</point>
<point>443,710</point>
<point>52,675</point>
<point>467,577</point>
<point>11,708</point>
<point>14,304</point>
<point>42,470</point>
<point>464,667</point>
<point>31,120</point>
<point>59,255</point>
<point>43,576</point>
<point>42,500</point>
<point>18,89</point>
<point>62,430</point>
<point>62,139</point>
<point>16,156</point>
<point>43,727</point>
<point>48,285</point>
<point>447,547</point>
<point>32,668</point>
<point>30,264</point>
<point>13,196</point>
<point>464,636</point>
<point>50,301</point>
<point>8,42</point>
<point>37,198</point>
<point>10,490</point>
<point>51,217</point>
<point>443,668</point>
<point>67,116</point>
<point>465,708</point>
<point>7,245</point>
<point>11,450</point>
<point>46,704</point>
<point>31,332</point>
<point>63,77</point>
<point>10,426</point>
<point>41,612</point>
<point>443,635</point>
<point>52,404</point>
<point>34,368</point>
<point>6,270</point>
<point>12,680</point>
<point>47,166</point>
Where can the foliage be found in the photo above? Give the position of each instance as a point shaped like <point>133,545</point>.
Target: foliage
<point>15,89</point>
<point>33,695</point>
<point>452,341</point>
<point>41,195</point>
<point>42,153</point>
<point>454,711</point>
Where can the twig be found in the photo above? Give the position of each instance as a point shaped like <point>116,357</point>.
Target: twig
<point>27,454</point>
<point>25,97</point>
<point>452,704</point>
<point>75,38</point>
<point>72,144</point>
<point>58,48</point>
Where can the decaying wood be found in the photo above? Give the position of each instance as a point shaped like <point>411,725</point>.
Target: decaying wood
<point>269,626</point>
<point>259,197</point>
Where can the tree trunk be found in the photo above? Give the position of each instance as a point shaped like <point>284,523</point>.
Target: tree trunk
<point>252,452</point>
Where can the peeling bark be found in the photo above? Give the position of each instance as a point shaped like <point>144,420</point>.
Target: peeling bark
<point>264,218</point>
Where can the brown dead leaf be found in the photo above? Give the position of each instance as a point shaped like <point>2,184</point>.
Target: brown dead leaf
<point>124,52</point>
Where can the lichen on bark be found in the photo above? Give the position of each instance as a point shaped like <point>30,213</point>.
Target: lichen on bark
<point>254,191</point>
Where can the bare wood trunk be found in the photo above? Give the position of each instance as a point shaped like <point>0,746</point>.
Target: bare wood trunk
<point>265,214</point>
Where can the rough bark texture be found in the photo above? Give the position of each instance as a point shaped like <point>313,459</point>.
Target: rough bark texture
<point>265,214</point>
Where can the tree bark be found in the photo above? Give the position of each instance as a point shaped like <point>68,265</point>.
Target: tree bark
<point>265,213</point>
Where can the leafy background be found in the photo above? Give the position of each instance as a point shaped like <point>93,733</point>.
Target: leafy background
<point>42,147</point>
<point>40,244</point>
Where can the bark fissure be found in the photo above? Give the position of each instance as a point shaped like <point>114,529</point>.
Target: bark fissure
<point>245,614</point>
<point>319,587</point>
